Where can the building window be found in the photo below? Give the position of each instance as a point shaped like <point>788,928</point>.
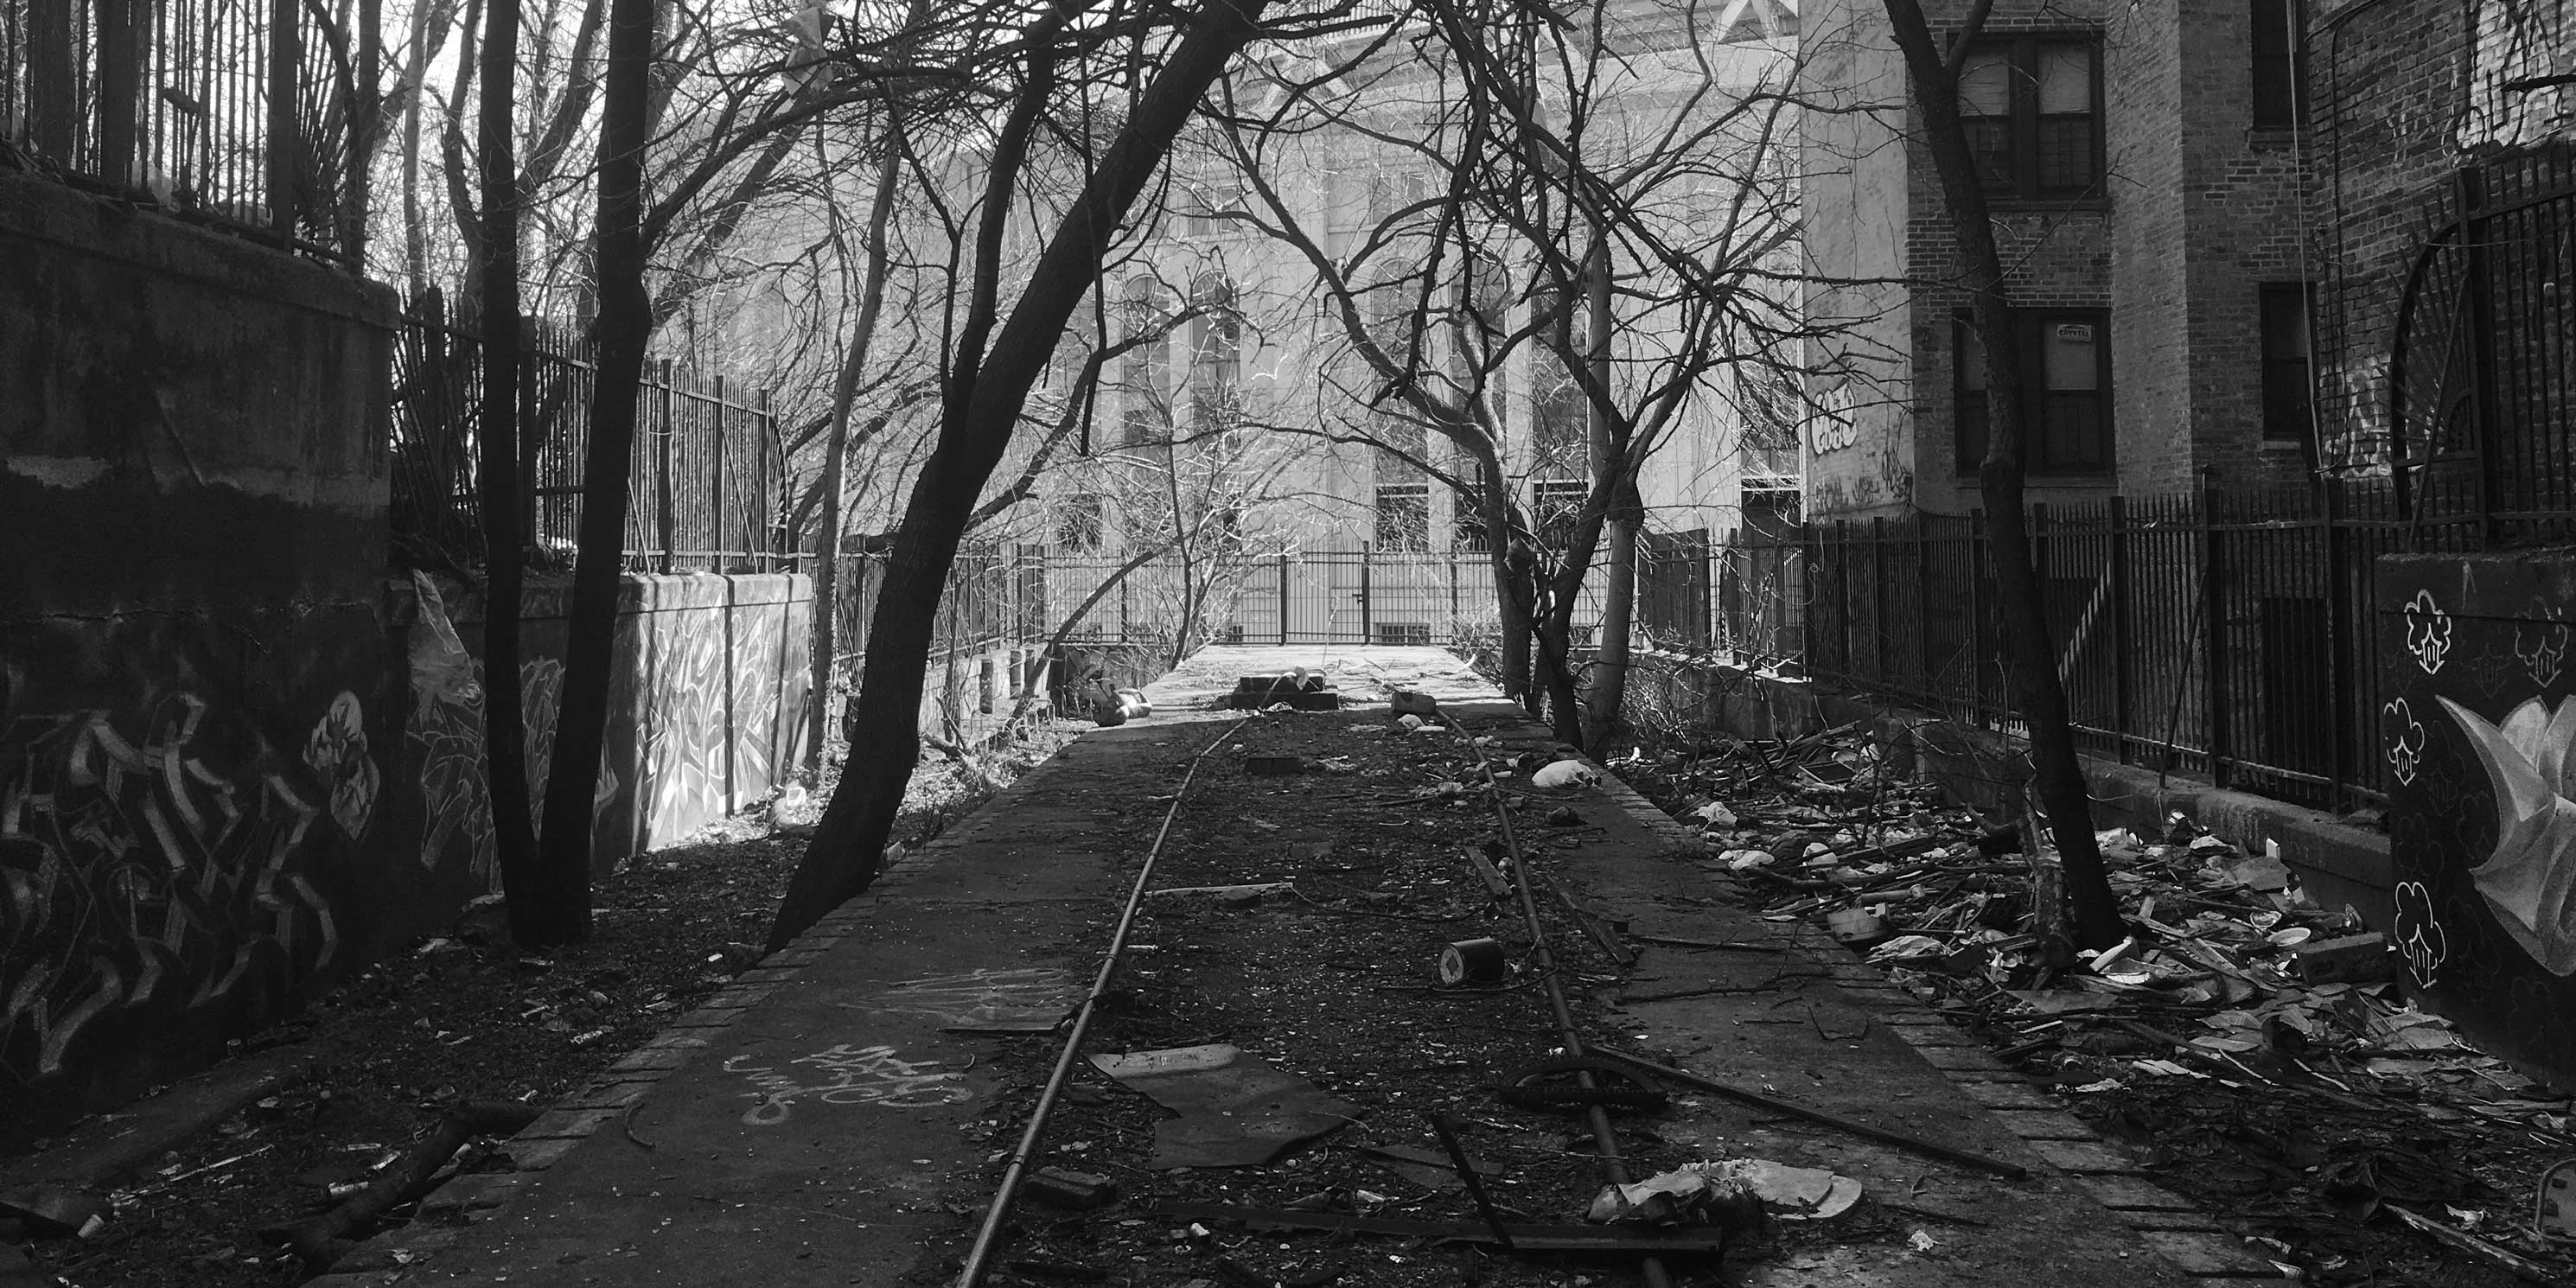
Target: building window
<point>1404,517</point>
<point>1078,522</point>
<point>2033,116</point>
<point>1555,504</point>
<point>1144,371</point>
<point>2279,31</point>
<point>1216,351</point>
<point>2065,394</point>
<point>2287,385</point>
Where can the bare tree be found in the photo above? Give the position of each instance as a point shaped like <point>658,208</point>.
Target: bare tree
<point>2029,657</point>
<point>1000,348</point>
<point>1588,237</point>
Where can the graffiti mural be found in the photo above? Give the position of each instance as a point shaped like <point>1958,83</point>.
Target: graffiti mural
<point>708,696</point>
<point>145,869</point>
<point>2481,726</point>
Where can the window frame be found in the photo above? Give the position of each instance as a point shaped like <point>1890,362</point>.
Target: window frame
<point>2284,108</point>
<point>2022,137</point>
<point>1417,536</point>
<point>2029,327</point>
<point>1555,505</point>
<point>2274,414</point>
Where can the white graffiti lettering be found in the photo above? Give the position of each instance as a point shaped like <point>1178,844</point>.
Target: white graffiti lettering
<point>851,1076</point>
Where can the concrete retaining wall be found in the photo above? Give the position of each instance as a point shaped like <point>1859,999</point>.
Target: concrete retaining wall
<point>200,707</point>
<point>708,707</point>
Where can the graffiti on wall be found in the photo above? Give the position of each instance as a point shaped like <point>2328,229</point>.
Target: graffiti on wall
<point>144,870</point>
<point>708,696</point>
<point>2482,823</point>
<point>445,737</point>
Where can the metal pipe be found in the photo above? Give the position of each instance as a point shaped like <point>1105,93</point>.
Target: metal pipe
<point>1605,1140</point>
<point>1017,1170</point>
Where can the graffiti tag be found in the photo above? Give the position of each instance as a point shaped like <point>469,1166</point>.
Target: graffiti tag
<point>847,1075</point>
<point>1034,994</point>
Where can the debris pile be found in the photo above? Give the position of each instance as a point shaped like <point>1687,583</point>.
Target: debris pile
<point>2257,1049</point>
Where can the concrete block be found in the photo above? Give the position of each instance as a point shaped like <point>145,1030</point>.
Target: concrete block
<point>1073,1191</point>
<point>2354,959</point>
<point>2210,1255</point>
<point>2129,1193</point>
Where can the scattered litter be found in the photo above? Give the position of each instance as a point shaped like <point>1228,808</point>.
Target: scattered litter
<point>1234,1110</point>
<point>1559,774</point>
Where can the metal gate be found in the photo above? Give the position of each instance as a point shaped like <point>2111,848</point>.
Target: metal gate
<point>2482,375</point>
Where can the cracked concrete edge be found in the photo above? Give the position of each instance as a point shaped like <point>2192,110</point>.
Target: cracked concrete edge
<point>2167,1224</point>
<point>472,1197</point>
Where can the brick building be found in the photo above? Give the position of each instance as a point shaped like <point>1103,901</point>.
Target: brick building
<point>2144,163</point>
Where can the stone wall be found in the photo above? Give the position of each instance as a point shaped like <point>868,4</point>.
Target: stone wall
<point>200,708</point>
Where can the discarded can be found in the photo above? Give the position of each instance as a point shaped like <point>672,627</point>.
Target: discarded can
<point>1472,961</point>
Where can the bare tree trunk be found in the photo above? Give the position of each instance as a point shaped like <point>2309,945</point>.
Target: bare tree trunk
<point>505,727</point>
<point>986,391</point>
<point>1607,690</point>
<point>561,911</point>
<point>845,391</point>
<point>2029,657</point>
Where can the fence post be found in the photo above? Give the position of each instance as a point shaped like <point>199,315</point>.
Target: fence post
<point>1879,634</point>
<point>772,498</point>
<point>1977,613</point>
<point>1283,597</point>
<point>716,541</point>
<point>2469,191</point>
<point>2122,681</point>
<point>285,56</point>
<point>1843,596</point>
<point>2340,638</point>
<point>1924,656</point>
<point>662,489</point>
<point>1366,594</point>
<point>120,57</point>
<point>2214,607</point>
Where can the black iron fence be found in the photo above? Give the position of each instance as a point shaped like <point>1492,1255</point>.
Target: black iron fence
<point>1288,597</point>
<point>242,112</point>
<point>2226,633</point>
<point>705,485</point>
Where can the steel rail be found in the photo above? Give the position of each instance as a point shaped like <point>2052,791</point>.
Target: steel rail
<point>1605,1139</point>
<point>979,1256</point>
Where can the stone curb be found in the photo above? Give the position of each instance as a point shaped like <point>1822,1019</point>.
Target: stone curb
<point>472,1197</point>
<point>2168,1224</point>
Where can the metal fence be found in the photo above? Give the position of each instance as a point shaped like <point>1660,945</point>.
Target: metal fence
<point>1290,597</point>
<point>240,112</point>
<point>2227,633</point>
<point>705,486</point>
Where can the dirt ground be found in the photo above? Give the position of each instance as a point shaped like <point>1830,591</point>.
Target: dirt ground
<point>450,1020</point>
<point>2300,1129</point>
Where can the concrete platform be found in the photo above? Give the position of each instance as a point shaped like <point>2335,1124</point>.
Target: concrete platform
<point>826,1121</point>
